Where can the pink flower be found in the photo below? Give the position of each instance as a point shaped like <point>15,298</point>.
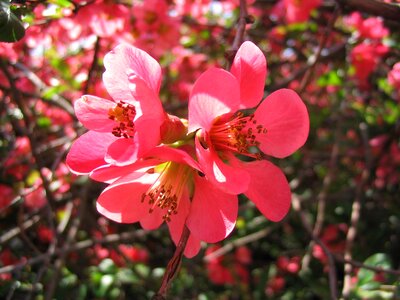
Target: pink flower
<point>296,11</point>
<point>394,76</point>
<point>158,187</point>
<point>278,127</point>
<point>124,128</point>
<point>299,10</point>
<point>365,57</point>
<point>155,28</point>
<point>370,28</point>
<point>6,196</point>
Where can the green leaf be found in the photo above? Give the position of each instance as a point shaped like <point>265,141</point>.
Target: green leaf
<point>107,266</point>
<point>366,277</point>
<point>62,3</point>
<point>330,79</point>
<point>43,122</point>
<point>11,28</point>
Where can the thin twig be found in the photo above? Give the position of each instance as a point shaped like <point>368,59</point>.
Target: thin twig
<point>374,7</point>
<point>331,261</point>
<point>93,66</point>
<point>368,267</point>
<point>238,242</point>
<point>173,265</point>
<point>243,20</point>
<point>328,179</point>
<point>314,59</point>
<point>355,216</point>
<point>109,239</point>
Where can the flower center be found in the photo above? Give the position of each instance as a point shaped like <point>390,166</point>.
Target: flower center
<point>238,134</point>
<point>123,114</point>
<point>168,188</point>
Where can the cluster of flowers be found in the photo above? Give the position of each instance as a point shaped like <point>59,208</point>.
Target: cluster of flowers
<point>163,168</point>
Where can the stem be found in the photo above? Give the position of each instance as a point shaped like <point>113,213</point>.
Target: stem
<point>173,266</point>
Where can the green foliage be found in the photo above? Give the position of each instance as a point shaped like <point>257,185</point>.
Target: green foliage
<point>375,285</point>
<point>11,27</point>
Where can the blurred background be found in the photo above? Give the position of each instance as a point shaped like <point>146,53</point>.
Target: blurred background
<point>341,237</point>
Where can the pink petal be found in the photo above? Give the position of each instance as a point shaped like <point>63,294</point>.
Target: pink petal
<point>176,227</point>
<point>122,152</point>
<point>213,213</point>
<point>147,134</point>
<point>88,151</point>
<point>153,220</point>
<point>250,68</point>
<point>92,112</point>
<point>268,189</point>
<point>146,101</point>
<point>215,93</point>
<point>229,179</point>
<point>109,173</point>
<point>179,155</point>
<point>125,60</point>
<point>122,200</point>
<point>285,117</point>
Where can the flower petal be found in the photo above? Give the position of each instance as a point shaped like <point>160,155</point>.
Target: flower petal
<point>176,227</point>
<point>109,173</point>
<point>268,189</point>
<point>153,220</point>
<point>125,60</point>
<point>92,112</point>
<point>88,151</point>
<point>213,213</point>
<point>146,101</point>
<point>285,117</point>
<point>147,134</point>
<point>216,92</point>
<point>122,152</point>
<point>229,179</point>
<point>122,200</point>
<point>250,68</point>
<point>179,155</point>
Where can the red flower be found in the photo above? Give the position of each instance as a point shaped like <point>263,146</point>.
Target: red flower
<point>157,189</point>
<point>124,128</point>
<point>278,127</point>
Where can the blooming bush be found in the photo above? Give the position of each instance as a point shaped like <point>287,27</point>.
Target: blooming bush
<point>199,149</point>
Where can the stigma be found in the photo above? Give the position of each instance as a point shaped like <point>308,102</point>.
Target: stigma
<point>237,134</point>
<point>167,190</point>
<point>123,114</point>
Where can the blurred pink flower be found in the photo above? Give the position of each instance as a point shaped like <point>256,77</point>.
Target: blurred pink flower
<point>365,57</point>
<point>228,268</point>
<point>394,76</point>
<point>299,10</point>
<point>295,11</point>
<point>370,28</point>
<point>278,127</point>
<point>155,28</point>
<point>6,196</point>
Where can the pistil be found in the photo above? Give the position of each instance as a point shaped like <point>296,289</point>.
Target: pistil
<point>168,188</point>
<point>123,114</point>
<point>238,134</point>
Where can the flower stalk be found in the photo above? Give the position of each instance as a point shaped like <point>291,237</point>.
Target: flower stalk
<point>173,266</point>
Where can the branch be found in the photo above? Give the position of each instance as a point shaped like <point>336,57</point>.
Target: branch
<point>173,266</point>
<point>238,242</point>
<point>243,20</point>
<point>373,7</point>
<point>313,60</point>
<point>93,66</point>
<point>331,261</point>
<point>108,239</point>
<point>355,216</point>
